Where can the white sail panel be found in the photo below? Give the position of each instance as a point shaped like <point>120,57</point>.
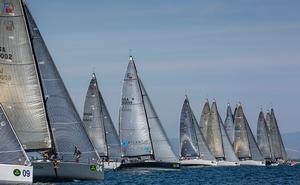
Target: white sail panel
<point>21,95</point>
<point>66,125</point>
<point>214,137</point>
<point>204,119</point>
<point>93,119</point>
<point>161,145</point>
<point>11,151</point>
<point>263,135</point>
<point>134,131</point>
<point>228,124</point>
<point>227,146</point>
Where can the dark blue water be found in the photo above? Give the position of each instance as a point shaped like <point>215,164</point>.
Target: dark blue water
<point>244,175</point>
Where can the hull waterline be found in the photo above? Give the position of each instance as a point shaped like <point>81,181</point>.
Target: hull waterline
<point>197,162</point>
<point>45,171</point>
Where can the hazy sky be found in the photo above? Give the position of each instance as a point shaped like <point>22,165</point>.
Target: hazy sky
<point>232,51</point>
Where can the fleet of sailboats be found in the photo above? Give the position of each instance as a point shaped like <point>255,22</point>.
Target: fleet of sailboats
<point>47,140</point>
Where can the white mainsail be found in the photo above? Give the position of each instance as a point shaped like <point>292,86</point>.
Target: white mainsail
<point>141,131</point>
<point>67,127</point>
<point>99,125</point>
<point>21,95</point>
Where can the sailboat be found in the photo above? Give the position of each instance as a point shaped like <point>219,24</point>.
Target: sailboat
<point>277,147</point>
<point>204,119</point>
<point>37,102</point>
<point>245,145</point>
<point>263,138</point>
<point>144,143</point>
<point>218,141</point>
<point>100,127</point>
<point>15,167</point>
<point>193,147</point>
<point>228,124</point>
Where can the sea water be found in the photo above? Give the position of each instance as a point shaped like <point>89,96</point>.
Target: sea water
<point>243,175</point>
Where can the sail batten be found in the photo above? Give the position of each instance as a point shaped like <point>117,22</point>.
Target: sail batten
<point>60,108</point>
<point>20,86</point>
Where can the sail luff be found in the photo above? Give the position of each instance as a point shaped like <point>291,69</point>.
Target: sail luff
<point>229,126</point>
<point>21,94</point>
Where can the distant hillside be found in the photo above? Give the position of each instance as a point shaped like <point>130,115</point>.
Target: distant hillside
<point>291,142</point>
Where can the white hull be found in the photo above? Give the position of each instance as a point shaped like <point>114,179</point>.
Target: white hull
<point>252,163</point>
<point>197,162</point>
<point>227,163</point>
<point>111,165</point>
<point>67,170</point>
<point>15,174</point>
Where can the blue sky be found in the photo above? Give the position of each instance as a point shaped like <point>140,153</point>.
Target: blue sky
<point>232,51</point>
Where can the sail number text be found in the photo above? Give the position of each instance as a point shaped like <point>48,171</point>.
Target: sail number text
<point>4,55</point>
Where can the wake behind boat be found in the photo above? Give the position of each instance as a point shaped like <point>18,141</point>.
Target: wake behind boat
<point>194,150</point>
<point>144,143</point>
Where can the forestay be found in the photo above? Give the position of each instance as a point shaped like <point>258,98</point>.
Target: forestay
<point>133,125</point>
<point>11,151</point>
<point>65,122</point>
<point>98,123</point>
<point>21,95</point>
<point>263,137</point>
